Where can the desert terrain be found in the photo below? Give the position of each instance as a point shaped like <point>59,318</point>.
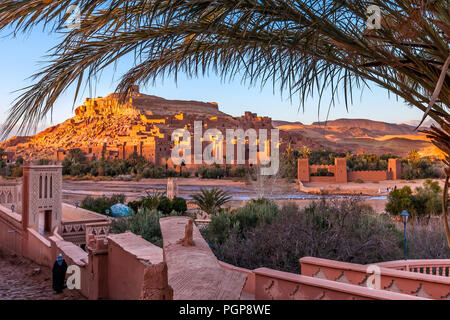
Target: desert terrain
<point>280,191</point>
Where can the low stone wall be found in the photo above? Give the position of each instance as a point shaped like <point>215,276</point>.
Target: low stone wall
<point>322,179</point>
<point>415,284</point>
<point>37,248</point>
<point>437,267</point>
<point>277,285</point>
<point>249,286</point>
<point>367,175</point>
<point>10,231</point>
<point>128,257</point>
<point>74,255</point>
<point>303,188</point>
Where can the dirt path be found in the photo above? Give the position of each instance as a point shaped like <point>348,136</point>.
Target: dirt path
<point>21,279</point>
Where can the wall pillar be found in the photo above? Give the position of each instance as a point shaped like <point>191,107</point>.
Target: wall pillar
<point>394,169</point>
<point>303,170</point>
<point>340,172</point>
<point>98,268</point>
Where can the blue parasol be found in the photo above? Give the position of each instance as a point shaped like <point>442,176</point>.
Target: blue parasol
<point>120,210</point>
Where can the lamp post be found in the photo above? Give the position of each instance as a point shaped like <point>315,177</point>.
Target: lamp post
<point>405,216</point>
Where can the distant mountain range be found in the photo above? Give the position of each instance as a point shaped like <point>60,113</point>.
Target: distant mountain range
<point>364,136</point>
<point>150,120</point>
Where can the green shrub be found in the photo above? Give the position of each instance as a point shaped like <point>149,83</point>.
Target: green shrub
<point>153,173</point>
<point>322,172</point>
<point>165,205</point>
<point>179,205</point>
<point>135,205</point>
<point>152,199</point>
<point>240,220</point>
<point>424,201</point>
<point>101,204</point>
<point>211,173</point>
<point>343,230</point>
<point>144,222</point>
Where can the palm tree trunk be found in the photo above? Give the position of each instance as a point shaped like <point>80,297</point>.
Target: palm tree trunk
<point>444,209</point>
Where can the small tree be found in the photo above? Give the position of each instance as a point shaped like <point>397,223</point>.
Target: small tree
<point>424,201</point>
<point>399,200</point>
<point>144,222</point>
<point>179,205</point>
<point>165,205</point>
<point>211,200</point>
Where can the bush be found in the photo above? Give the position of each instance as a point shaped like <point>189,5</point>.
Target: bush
<point>135,205</point>
<point>238,172</point>
<point>343,230</point>
<point>399,200</point>
<point>101,204</point>
<point>144,222</point>
<point>322,172</point>
<point>153,173</point>
<point>242,219</point>
<point>211,173</point>
<point>185,174</point>
<point>165,205</point>
<point>425,201</point>
<point>179,205</point>
<point>427,240</point>
<point>152,199</point>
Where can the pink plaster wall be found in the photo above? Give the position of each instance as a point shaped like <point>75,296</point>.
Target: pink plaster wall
<point>409,283</point>
<point>10,233</point>
<point>125,274</point>
<point>249,286</point>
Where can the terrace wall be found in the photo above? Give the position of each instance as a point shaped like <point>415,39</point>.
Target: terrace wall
<point>367,175</point>
<point>10,231</point>
<point>410,283</point>
<point>342,175</point>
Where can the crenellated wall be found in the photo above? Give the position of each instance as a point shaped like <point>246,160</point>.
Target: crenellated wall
<point>342,175</point>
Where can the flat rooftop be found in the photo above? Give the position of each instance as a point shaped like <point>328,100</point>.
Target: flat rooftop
<point>72,213</point>
<point>139,247</point>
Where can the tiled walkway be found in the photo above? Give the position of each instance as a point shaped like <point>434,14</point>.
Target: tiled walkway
<point>21,279</point>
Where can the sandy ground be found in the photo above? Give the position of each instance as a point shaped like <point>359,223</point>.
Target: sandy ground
<point>21,279</point>
<point>375,193</point>
<point>368,187</point>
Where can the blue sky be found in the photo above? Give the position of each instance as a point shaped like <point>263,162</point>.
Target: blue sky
<point>20,57</point>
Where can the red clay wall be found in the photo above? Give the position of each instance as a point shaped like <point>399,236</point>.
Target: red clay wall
<point>340,172</point>
<point>322,179</point>
<point>303,170</point>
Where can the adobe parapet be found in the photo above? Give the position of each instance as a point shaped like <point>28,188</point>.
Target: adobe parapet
<point>342,175</point>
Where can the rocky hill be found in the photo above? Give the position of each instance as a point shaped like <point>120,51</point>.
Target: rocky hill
<point>144,123</point>
<point>141,122</point>
<point>375,127</point>
<point>363,136</point>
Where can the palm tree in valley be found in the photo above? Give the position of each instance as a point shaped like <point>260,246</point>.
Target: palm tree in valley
<point>302,47</point>
<point>211,200</point>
